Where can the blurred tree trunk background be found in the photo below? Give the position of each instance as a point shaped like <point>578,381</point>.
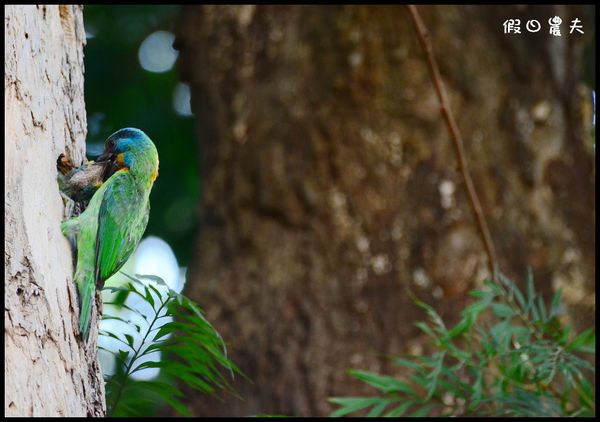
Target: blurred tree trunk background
<point>330,184</point>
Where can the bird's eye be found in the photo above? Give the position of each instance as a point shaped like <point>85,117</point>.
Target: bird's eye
<point>111,143</point>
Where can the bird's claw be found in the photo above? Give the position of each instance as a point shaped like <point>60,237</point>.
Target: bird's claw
<point>69,206</point>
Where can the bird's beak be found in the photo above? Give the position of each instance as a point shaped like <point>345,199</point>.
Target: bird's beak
<point>106,156</point>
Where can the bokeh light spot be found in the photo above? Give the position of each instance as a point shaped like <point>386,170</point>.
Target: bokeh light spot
<point>156,52</point>
<point>182,99</point>
<point>154,256</point>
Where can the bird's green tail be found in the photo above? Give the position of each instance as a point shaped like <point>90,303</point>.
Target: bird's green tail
<point>87,289</point>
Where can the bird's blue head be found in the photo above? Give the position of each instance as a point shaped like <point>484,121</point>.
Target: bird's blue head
<point>132,149</point>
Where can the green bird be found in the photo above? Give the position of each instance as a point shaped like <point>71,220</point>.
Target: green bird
<point>110,228</point>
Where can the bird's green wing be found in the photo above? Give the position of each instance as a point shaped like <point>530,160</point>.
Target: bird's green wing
<point>117,234</point>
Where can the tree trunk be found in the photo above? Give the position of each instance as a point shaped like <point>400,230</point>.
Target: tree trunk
<point>48,370</point>
<point>330,183</point>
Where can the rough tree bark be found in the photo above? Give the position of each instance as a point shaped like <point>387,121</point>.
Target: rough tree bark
<point>48,371</point>
<point>330,183</point>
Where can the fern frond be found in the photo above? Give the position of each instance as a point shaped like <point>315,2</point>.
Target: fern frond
<point>164,330</point>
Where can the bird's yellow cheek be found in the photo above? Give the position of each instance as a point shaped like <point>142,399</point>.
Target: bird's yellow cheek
<point>120,160</point>
<point>154,174</point>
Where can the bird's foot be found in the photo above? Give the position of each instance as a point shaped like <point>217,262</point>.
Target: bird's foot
<point>69,206</point>
<point>72,208</point>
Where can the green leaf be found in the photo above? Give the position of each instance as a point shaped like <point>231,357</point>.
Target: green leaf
<point>158,346</point>
<point>501,335</point>
<point>521,334</point>
<point>535,313</point>
<point>477,390</point>
<point>513,291</point>
<point>130,340</point>
<point>408,364</point>
<point>425,328</point>
<point>424,411</point>
<point>433,315</point>
<point>383,383</point>
<point>149,297</point>
<point>586,393</point>
<point>113,289</point>
<point>154,278</point>
<point>111,335</point>
<point>399,411</point>
<point>123,305</point>
<point>497,291</point>
<point>476,308</point>
<point>158,294</point>
<point>352,404</point>
<point>566,335</point>
<point>530,292</point>
<point>555,306</point>
<point>542,308</point>
<point>419,380</point>
<point>461,355</point>
<point>478,294</point>
<point>502,310</point>
<point>168,393</point>
<point>378,409</point>
<point>116,318</point>
<point>116,355</point>
<point>463,326</point>
<point>585,342</point>
<point>147,365</point>
<point>433,376</point>
<point>454,384</point>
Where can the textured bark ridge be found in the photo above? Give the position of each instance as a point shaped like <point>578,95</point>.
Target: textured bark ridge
<point>330,182</point>
<point>48,371</point>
